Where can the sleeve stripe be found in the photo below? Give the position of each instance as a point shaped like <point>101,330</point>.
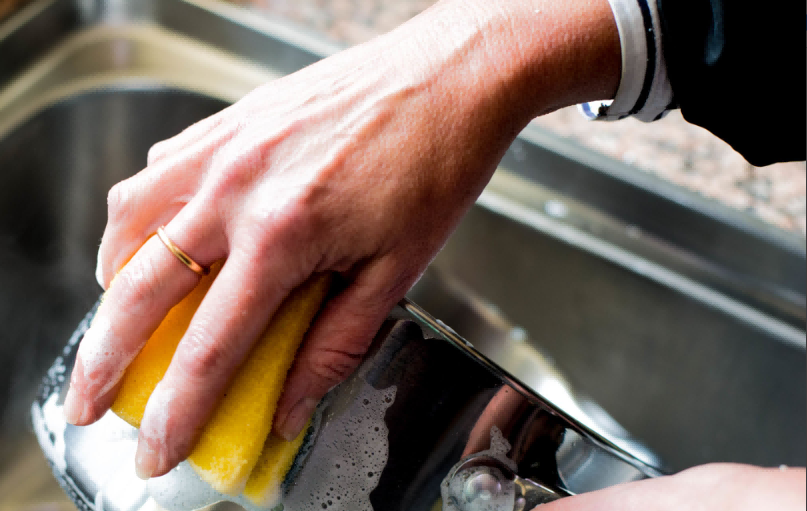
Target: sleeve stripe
<point>650,70</point>
<point>644,90</point>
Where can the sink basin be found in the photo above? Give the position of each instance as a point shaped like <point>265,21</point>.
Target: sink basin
<point>681,320</point>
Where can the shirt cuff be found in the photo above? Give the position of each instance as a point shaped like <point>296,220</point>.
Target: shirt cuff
<point>644,89</point>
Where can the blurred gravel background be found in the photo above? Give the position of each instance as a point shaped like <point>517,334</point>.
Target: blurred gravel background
<point>671,148</point>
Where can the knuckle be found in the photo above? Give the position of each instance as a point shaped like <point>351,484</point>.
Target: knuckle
<point>156,153</point>
<point>235,165</point>
<point>309,208</point>
<point>200,356</point>
<point>404,269</point>
<point>290,222</point>
<point>230,177</point>
<point>119,201</point>
<point>269,225</point>
<point>333,365</point>
<point>400,284</point>
<point>138,287</point>
<point>305,219</point>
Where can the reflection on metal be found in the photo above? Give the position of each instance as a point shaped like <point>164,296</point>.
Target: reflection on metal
<point>508,447</point>
<point>708,297</point>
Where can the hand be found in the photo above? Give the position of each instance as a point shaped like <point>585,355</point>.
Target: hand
<point>716,487</point>
<point>361,164</point>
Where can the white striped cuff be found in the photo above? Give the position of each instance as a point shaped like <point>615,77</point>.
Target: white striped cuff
<point>644,89</point>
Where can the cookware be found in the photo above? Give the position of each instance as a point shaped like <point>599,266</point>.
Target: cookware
<point>425,419</point>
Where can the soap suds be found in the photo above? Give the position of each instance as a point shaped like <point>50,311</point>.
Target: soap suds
<point>49,427</point>
<point>182,489</point>
<point>347,460</point>
<point>96,351</point>
<point>453,489</point>
<point>155,417</point>
<point>48,418</point>
<point>337,468</point>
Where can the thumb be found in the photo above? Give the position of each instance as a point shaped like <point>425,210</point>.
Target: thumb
<point>338,340</point>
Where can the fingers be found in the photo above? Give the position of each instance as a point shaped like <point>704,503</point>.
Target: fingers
<point>230,319</point>
<point>143,293</point>
<point>177,144</point>
<point>337,341</point>
<point>145,201</point>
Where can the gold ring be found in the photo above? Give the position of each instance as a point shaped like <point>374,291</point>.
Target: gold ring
<point>181,255</point>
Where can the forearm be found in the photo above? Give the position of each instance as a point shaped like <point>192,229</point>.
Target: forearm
<point>514,59</point>
<point>475,72</point>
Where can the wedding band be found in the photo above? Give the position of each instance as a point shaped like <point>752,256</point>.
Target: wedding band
<point>181,255</point>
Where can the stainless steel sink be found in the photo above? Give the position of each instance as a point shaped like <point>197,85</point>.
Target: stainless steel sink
<point>684,321</point>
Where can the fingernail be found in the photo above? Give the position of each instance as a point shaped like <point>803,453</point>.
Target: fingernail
<point>99,272</point>
<point>297,418</point>
<point>73,407</point>
<point>146,460</point>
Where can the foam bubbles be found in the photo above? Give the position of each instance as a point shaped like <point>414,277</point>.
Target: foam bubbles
<point>156,411</point>
<point>49,427</point>
<point>346,462</point>
<point>337,468</point>
<point>455,487</point>
<point>97,352</point>
<point>181,489</point>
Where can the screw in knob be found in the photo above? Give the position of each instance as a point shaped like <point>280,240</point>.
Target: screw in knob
<point>483,486</point>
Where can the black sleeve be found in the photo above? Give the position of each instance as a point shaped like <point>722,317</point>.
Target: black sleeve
<point>737,68</point>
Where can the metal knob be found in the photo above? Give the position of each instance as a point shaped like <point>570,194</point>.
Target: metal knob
<point>484,483</point>
<point>482,487</point>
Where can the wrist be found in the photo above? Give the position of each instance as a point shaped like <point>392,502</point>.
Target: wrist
<point>529,56</point>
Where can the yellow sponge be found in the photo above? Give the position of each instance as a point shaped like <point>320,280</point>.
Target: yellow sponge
<point>263,485</point>
<point>150,365</point>
<point>237,434</point>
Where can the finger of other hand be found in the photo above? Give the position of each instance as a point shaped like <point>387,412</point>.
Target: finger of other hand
<point>714,487</point>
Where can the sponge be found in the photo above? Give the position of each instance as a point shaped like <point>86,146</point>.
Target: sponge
<point>263,485</point>
<point>150,365</point>
<point>238,433</point>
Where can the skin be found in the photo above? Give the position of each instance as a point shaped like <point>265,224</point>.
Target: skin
<point>361,164</point>
<point>715,487</point>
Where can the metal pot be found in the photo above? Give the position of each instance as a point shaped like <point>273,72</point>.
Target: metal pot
<point>425,419</point>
